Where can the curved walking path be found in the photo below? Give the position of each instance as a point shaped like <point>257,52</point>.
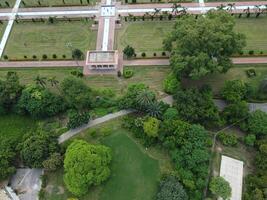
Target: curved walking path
<point>134,62</point>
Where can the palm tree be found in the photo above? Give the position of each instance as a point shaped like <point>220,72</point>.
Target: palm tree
<point>231,7</point>
<point>247,11</point>
<point>175,8</point>
<point>221,7</point>
<point>155,110</point>
<point>145,98</point>
<point>258,10</point>
<point>53,81</point>
<point>40,81</point>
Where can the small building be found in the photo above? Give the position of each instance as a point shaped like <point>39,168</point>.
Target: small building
<point>102,61</point>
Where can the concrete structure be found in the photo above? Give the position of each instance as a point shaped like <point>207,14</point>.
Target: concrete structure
<point>232,171</point>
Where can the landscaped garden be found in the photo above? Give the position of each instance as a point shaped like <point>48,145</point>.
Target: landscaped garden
<point>50,38</point>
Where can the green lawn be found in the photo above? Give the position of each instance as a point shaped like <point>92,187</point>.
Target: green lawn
<point>4,5</point>
<point>134,173</point>
<point>29,3</point>
<point>148,36</point>
<point>152,76</point>
<point>29,38</point>
<point>2,29</point>
<point>143,36</point>
<point>13,127</point>
<point>255,31</point>
<point>216,81</point>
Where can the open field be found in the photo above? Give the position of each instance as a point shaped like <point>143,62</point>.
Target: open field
<point>10,4</point>
<point>152,76</point>
<point>255,31</point>
<point>38,38</point>
<point>29,3</point>
<point>148,36</point>
<point>216,81</point>
<point>143,36</point>
<point>134,173</point>
<point>13,127</point>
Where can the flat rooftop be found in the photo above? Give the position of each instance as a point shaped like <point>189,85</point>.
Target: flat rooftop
<point>102,57</point>
<point>232,171</point>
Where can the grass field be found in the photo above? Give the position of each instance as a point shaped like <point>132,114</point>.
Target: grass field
<point>4,5</point>
<point>29,38</point>
<point>216,81</point>
<point>13,127</point>
<point>143,36</point>
<point>255,31</point>
<point>2,29</point>
<point>29,3</point>
<point>134,173</point>
<point>152,76</point>
<point>148,36</point>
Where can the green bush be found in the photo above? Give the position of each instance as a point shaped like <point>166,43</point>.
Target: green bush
<point>251,72</point>
<point>77,119</point>
<point>170,84</point>
<point>228,139</point>
<point>250,139</point>
<point>76,73</point>
<point>128,73</point>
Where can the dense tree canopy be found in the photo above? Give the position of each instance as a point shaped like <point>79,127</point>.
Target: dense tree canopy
<point>85,165</point>
<point>36,148</point>
<point>257,123</point>
<point>236,112</point>
<point>39,102</point>
<point>171,189</point>
<point>7,157</point>
<point>10,91</point>
<point>197,106</point>
<point>204,45</point>
<point>77,94</point>
<point>188,145</point>
<point>220,187</point>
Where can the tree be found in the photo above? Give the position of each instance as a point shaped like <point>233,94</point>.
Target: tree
<point>250,139</point>
<point>7,158</point>
<point>171,84</point>
<point>129,51</point>
<point>154,109</point>
<point>151,127</point>
<point>200,47</point>
<point>39,102</point>
<point>85,165</point>
<point>77,119</point>
<point>35,149</point>
<point>257,123</point>
<point>53,162</point>
<point>220,187</point>
<point>236,112</point>
<point>145,98</point>
<point>10,91</point>
<point>77,54</point>
<point>170,114</point>
<point>41,81</point>
<point>171,189</point>
<point>77,94</point>
<point>197,106</point>
<point>235,90</point>
<point>228,139</point>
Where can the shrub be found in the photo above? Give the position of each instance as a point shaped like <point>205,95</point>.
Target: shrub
<point>228,139</point>
<point>53,162</point>
<point>170,114</point>
<point>25,57</point>
<point>261,52</point>
<point>54,56</point>
<point>163,53</point>
<point>251,72</point>
<point>250,139</point>
<point>77,73</point>
<point>151,127</point>
<point>170,84</point>
<point>5,57</point>
<point>143,54</point>
<point>251,52</point>
<point>241,52</point>
<point>119,73</point>
<point>77,119</point>
<point>128,73</point>
<point>34,56</point>
<point>154,54</point>
<point>77,54</point>
<point>44,56</point>
<point>128,51</point>
<point>63,56</point>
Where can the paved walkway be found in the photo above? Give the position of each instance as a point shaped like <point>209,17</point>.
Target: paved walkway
<point>10,23</point>
<point>92,123</point>
<point>135,62</point>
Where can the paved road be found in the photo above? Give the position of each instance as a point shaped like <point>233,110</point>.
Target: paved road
<point>27,183</point>
<point>135,62</point>
<point>92,123</point>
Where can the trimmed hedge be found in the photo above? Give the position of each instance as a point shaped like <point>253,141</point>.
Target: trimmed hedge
<point>128,73</point>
